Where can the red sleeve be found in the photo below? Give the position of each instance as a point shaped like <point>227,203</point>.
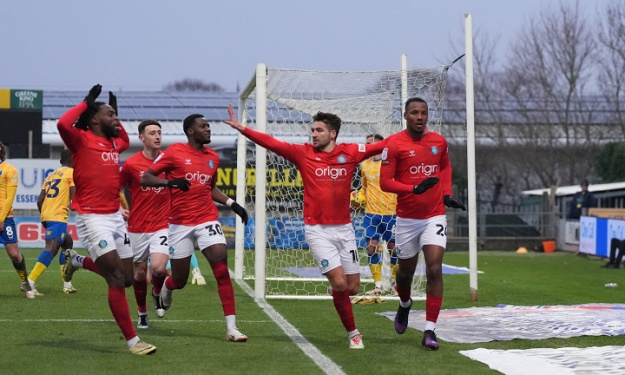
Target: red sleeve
<point>387,173</point>
<point>124,175</point>
<point>445,176</point>
<point>123,136</point>
<point>163,163</point>
<point>281,148</point>
<point>69,134</point>
<point>375,148</point>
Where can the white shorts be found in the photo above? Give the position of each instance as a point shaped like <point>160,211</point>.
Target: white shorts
<point>103,233</point>
<point>333,246</point>
<point>182,238</point>
<point>412,234</point>
<point>144,244</point>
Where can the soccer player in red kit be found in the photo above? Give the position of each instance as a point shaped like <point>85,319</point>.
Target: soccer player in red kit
<point>147,221</point>
<point>327,170</point>
<point>191,169</point>
<point>415,166</point>
<point>96,140</point>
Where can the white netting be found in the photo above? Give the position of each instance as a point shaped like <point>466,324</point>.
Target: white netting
<point>367,103</point>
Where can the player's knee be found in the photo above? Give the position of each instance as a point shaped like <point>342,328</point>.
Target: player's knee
<point>354,289</point>
<point>140,274</point>
<point>434,270</point>
<point>158,272</point>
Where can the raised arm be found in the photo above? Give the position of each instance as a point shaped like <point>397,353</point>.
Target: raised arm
<point>281,148</point>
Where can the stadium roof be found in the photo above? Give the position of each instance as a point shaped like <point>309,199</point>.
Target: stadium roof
<point>141,105</point>
<point>572,189</point>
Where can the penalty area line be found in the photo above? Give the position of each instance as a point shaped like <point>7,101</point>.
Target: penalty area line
<point>325,364</point>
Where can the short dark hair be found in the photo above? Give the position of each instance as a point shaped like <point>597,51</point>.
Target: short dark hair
<point>331,120</point>
<point>584,183</point>
<point>415,99</point>
<point>189,120</point>
<point>66,156</point>
<point>145,123</point>
<point>3,151</point>
<point>86,116</point>
<point>376,136</point>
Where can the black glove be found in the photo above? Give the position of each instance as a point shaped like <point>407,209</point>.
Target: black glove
<point>93,95</point>
<point>240,211</point>
<point>450,202</point>
<point>113,102</point>
<point>179,183</point>
<point>425,185</point>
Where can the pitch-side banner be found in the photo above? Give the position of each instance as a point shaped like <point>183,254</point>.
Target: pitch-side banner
<point>32,173</point>
<point>509,322</point>
<point>30,232</point>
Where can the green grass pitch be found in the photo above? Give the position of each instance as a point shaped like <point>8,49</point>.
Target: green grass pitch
<point>60,333</point>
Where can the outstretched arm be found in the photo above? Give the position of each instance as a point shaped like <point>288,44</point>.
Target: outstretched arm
<point>284,149</point>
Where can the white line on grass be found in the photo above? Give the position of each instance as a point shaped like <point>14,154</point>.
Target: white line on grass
<point>220,321</point>
<point>325,364</point>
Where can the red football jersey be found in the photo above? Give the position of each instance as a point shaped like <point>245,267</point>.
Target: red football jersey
<point>327,176</point>
<point>96,164</point>
<point>149,205</point>
<point>408,161</point>
<point>195,206</point>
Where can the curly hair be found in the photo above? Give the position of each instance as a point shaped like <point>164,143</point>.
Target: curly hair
<point>3,152</point>
<point>85,118</point>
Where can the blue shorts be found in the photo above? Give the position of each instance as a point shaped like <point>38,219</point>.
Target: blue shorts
<point>55,229</point>
<point>379,226</point>
<point>9,234</point>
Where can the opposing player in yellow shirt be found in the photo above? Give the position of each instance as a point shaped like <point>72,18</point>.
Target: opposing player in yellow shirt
<point>379,220</point>
<point>53,203</point>
<point>8,235</point>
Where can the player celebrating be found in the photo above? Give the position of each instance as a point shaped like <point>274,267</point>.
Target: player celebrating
<point>8,234</point>
<point>327,170</point>
<point>412,166</point>
<point>96,141</point>
<point>379,220</point>
<point>53,203</point>
<point>147,220</point>
<point>191,169</point>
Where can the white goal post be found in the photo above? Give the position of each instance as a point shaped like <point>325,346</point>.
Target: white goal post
<point>281,102</point>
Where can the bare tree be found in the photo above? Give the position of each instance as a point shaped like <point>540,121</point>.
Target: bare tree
<point>546,76</point>
<point>611,60</point>
<point>193,84</point>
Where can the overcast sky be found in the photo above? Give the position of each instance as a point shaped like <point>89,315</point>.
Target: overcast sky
<point>143,45</point>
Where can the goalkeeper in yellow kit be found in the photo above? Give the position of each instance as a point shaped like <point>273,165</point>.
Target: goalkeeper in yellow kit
<point>379,220</point>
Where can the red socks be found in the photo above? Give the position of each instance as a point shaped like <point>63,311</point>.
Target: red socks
<point>171,284</point>
<point>141,292</point>
<point>343,306</point>
<point>432,307</point>
<point>404,294</point>
<point>121,312</point>
<point>224,287</point>
<point>88,264</point>
<point>157,283</point>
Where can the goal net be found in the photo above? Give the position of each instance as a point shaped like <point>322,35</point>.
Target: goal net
<point>281,102</point>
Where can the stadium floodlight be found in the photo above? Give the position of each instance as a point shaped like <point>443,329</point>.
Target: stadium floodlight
<point>281,102</point>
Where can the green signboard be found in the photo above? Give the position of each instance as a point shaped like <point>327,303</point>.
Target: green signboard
<point>29,100</point>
